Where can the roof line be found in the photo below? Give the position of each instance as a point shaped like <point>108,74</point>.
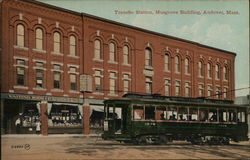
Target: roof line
<point>124,25</point>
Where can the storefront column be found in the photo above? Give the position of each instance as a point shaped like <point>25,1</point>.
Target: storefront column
<point>86,117</point>
<point>44,118</point>
<point>2,115</point>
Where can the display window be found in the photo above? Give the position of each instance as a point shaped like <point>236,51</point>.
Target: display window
<point>30,115</point>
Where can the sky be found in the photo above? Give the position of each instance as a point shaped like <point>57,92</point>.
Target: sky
<point>224,31</point>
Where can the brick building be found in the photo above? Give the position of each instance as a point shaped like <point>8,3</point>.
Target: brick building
<point>59,65</point>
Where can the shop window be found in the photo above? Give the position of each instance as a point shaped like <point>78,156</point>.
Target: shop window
<point>149,113</point>
<point>149,85</point>
<point>112,52</point>
<point>241,116</point>
<point>125,55</point>
<point>203,114</point>
<point>182,114</point>
<point>148,57</point>
<point>138,112</point>
<point>97,49</point>
<point>39,38</point>
<point>65,116</point>
<point>222,115</point>
<point>30,115</point>
<point>212,115</point>
<point>171,113</point>
<point>72,45</point>
<point>57,42</point>
<point>193,114</point>
<point>167,62</point>
<point>161,113</point>
<point>20,35</point>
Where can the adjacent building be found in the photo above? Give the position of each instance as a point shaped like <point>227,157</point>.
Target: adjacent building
<point>58,66</point>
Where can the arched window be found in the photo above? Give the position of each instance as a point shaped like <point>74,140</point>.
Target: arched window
<point>97,49</point>
<point>39,38</point>
<point>112,52</point>
<point>20,35</point>
<point>209,70</point>
<point>72,45</point>
<point>125,55</point>
<point>217,71</point>
<point>57,42</point>
<point>167,62</point>
<point>201,69</point>
<point>177,64</point>
<point>148,57</point>
<point>187,66</point>
<point>225,73</point>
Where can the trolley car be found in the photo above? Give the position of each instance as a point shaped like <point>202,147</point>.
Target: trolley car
<point>150,119</point>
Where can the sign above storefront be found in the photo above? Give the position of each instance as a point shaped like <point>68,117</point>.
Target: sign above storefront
<point>42,98</point>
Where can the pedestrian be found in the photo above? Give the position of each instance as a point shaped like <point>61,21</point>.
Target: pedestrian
<point>38,127</point>
<point>18,125</point>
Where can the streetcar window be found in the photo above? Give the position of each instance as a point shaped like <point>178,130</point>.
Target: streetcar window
<point>161,113</point>
<point>193,114</point>
<point>171,113</point>
<point>231,116</point>
<point>203,114</point>
<point>241,117</point>
<point>212,115</point>
<point>222,115</point>
<point>150,112</point>
<point>182,114</point>
<point>138,112</point>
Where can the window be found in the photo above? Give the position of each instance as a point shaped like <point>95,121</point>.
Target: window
<point>213,115</point>
<point>149,113</point>
<point>225,73</point>
<point>125,55</point>
<point>126,86</point>
<point>72,77</point>
<point>218,92</point>
<point>138,112</point>
<point>57,76</point>
<point>149,85</point>
<point>187,66</point>
<point>209,90</point>
<point>203,114</point>
<point>193,114</point>
<point>232,115</point>
<point>187,89</point>
<point>201,69</point>
<point>201,90</point>
<point>72,45</point>
<point>225,93</point>
<point>112,83</point>
<point>20,35</point>
<point>223,115</point>
<point>177,88</point>
<point>177,65</point>
<point>167,87</point>
<point>57,42</point>
<point>112,52</point>
<point>182,114</point>
<point>39,75</point>
<point>98,81</point>
<point>241,116</point>
<point>167,62</point>
<point>148,57</point>
<point>171,113</point>
<point>97,49</point>
<point>217,71</point>
<point>39,38</point>
<point>209,70</point>
<point>161,113</point>
<point>20,77</point>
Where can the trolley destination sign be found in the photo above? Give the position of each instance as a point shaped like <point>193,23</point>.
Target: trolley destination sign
<point>42,98</point>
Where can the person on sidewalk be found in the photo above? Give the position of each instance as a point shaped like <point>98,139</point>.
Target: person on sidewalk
<point>38,127</point>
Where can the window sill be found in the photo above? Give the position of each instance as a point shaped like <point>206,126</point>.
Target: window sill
<point>149,68</point>
<point>98,60</point>
<point>74,91</point>
<point>187,74</point>
<point>57,53</point>
<point>225,80</point>
<point>21,48</point>
<point>168,71</point>
<point>200,76</point>
<point>177,72</point>
<point>98,93</point>
<point>73,56</point>
<point>128,65</point>
<point>39,89</point>
<point>21,87</point>
<point>38,50</point>
<point>56,90</point>
<point>113,95</point>
<point>112,62</point>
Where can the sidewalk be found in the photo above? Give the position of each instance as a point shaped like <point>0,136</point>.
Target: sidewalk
<point>49,136</point>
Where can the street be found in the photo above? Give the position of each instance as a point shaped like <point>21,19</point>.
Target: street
<point>72,147</point>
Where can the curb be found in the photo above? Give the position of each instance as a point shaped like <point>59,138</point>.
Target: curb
<point>51,136</point>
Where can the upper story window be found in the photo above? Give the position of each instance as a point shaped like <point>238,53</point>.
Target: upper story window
<point>209,91</point>
<point>187,89</point>
<point>112,52</point>
<point>209,70</point>
<point>72,45</point>
<point>72,78</point>
<point>167,87</point>
<point>218,92</point>
<point>125,55</point>
<point>20,75</point>
<point>178,88</point>
<point>200,69</point>
<point>187,66</point>
<point>225,93</point>
<point>97,49</point>
<point>39,38</point>
<point>39,75</point>
<point>98,80</point>
<point>225,73</point>
<point>57,42</point>
<point>177,65</point>
<point>217,71</point>
<point>167,62</point>
<point>57,76</point>
<point>126,87</point>
<point>148,57</point>
<point>201,90</point>
<point>149,86</point>
<point>112,83</point>
<point>20,35</point>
